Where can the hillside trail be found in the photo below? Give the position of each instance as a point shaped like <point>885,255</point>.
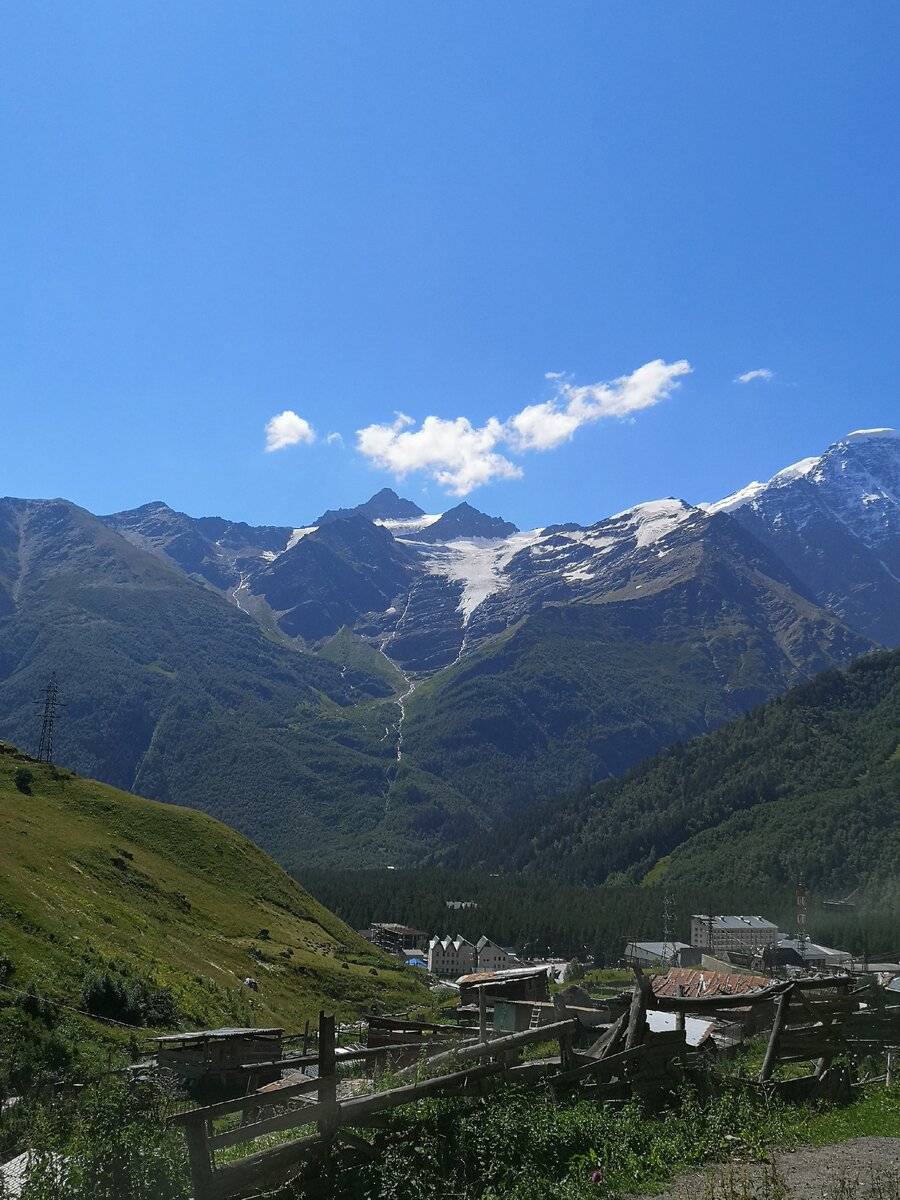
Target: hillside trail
<point>861,1167</point>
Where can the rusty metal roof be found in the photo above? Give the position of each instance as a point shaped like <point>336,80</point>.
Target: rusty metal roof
<point>704,984</point>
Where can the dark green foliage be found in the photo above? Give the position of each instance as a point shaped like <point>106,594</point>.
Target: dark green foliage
<point>808,783</point>
<point>23,779</point>
<point>527,1145</point>
<point>130,1001</point>
<point>539,914</point>
<point>118,1148</point>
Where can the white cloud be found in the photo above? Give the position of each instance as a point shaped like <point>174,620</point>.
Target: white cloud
<point>458,455</point>
<point>287,429</point>
<point>462,456</point>
<point>334,439</point>
<point>749,376</point>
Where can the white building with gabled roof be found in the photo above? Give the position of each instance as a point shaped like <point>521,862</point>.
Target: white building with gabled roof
<point>451,956</point>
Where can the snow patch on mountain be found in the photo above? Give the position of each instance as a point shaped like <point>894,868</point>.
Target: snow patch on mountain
<point>298,534</point>
<point>649,522</point>
<point>402,527</point>
<point>478,564</point>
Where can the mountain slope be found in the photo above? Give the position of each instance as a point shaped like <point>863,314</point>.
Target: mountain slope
<point>578,691</point>
<point>807,783</point>
<point>94,881</point>
<point>835,522</point>
<point>173,693</point>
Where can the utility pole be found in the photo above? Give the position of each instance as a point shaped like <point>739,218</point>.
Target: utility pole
<point>51,703</point>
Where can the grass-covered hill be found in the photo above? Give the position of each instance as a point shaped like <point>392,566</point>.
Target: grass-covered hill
<point>806,783</point>
<point>155,915</point>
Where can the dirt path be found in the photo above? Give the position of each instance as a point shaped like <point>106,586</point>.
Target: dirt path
<point>846,1169</point>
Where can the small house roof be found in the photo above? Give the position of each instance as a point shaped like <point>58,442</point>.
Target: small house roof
<point>210,1035</point>
<point>485,977</point>
<point>706,983</point>
<point>657,949</point>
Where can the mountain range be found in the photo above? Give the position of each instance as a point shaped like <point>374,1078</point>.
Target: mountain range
<point>380,683</point>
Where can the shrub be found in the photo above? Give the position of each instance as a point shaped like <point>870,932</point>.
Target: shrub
<point>23,779</point>
<point>119,1149</point>
<point>131,1001</point>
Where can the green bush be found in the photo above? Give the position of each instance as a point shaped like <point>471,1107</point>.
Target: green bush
<point>23,779</point>
<point>130,1001</point>
<point>118,1149</point>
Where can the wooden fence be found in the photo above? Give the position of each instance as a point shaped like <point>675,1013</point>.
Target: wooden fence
<point>627,1059</point>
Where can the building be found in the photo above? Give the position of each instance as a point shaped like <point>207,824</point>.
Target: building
<point>397,938</point>
<point>522,983</point>
<point>718,933</point>
<point>491,957</point>
<point>451,957</point>
<point>222,1060</point>
<point>811,954</point>
<point>649,954</point>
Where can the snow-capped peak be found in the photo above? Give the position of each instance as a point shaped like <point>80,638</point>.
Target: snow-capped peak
<point>654,519</point>
<point>862,435</point>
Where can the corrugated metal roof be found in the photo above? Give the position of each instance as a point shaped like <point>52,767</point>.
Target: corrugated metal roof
<point>503,976</point>
<point>208,1035</point>
<point>658,949</point>
<point>706,983</point>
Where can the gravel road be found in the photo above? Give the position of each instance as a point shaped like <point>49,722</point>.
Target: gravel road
<point>812,1173</point>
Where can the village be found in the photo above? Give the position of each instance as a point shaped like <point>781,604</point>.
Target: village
<point>269,1105</point>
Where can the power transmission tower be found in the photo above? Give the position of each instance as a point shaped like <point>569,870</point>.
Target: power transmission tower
<point>51,703</point>
<point>668,927</point>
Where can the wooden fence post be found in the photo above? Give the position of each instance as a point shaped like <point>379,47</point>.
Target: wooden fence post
<point>784,1000</point>
<point>482,1015</point>
<point>327,1075</point>
<point>637,1017</point>
<point>199,1160</point>
<point>566,1036</point>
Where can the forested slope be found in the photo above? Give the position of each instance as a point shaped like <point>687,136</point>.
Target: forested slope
<point>806,783</point>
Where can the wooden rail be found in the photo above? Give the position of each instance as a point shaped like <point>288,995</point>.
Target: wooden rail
<point>289,1107</point>
<point>628,1056</point>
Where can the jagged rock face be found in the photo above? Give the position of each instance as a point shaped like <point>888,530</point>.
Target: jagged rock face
<point>464,521</point>
<point>208,548</point>
<point>334,576</point>
<point>385,505</point>
<point>835,522</point>
<point>431,589</point>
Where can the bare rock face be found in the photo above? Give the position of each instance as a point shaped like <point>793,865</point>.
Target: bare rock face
<point>835,523</point>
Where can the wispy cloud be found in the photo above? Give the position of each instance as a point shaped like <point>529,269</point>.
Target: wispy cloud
<point>287,429</point>
<point>760,373</point>
<point>462,456</point>
<point>334,439</point>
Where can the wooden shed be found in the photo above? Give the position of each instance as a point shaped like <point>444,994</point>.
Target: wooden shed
<point>221,1060</point>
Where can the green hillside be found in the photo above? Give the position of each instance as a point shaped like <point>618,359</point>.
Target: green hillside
<point>155,915</point>
<point>576,693</point>
<point>807,783</point>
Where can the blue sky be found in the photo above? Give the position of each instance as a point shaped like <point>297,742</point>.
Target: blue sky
<point>215,213</point>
